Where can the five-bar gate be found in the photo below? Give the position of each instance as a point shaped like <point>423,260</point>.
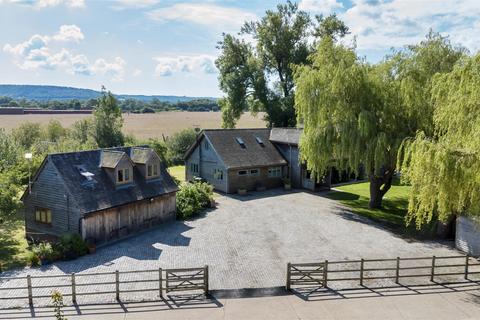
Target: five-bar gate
<point>304,274</point>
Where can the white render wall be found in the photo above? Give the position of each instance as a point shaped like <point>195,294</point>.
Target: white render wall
<point>467,235</point>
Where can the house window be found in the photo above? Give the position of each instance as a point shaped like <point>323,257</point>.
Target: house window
<point>194,167</point>
<point>242,172</point>
<point>149,170</point>
<point>43,215</point>
<point>275,172</point>
<point>218,174</point>
<point>254,172</point>
<point>155,169</point>
<point>123,175</point>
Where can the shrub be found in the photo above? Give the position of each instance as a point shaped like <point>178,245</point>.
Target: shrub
<point>32,259</point>
<point>71,246</point>
<point>178,144</point>
<point>44,251</point>
<point>192,198</point>
<point>148,110</point>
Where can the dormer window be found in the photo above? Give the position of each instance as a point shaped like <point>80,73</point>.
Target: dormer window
<point>152,170</point>
<point>123,175</point>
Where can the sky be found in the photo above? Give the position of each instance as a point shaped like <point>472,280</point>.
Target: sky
<point>166,47</point>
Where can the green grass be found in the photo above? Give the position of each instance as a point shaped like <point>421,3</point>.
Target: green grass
<point>178,172</point>
<point>13,245</point>
<point>394,206</point>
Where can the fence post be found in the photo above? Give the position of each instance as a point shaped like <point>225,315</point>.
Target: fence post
<point>29,289</point>
<point>325,274</point>
<point>205,279</point>
<point>432,274</point>
<point>361,271</point>
<point>117,285</point>
<point>74,291</point>
<point>467,257</point>
<point>287,285</point>
<point>397,271</point>
<point>160,284</point>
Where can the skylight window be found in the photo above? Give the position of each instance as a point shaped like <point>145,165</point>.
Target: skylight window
<point>260,141</point>
<point>240,142</point>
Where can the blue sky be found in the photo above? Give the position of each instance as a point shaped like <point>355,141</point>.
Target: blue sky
<point>169,47</point>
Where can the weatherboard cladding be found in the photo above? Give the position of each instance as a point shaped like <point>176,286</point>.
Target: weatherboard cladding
<point>102,193</point>
<point>252,154</point>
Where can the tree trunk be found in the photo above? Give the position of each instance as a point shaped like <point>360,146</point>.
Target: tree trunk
<point>379,185</point>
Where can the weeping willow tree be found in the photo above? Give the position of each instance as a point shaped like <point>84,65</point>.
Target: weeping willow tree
<point>356,114</point>
<point>444,168</point>
<point>351,116</point>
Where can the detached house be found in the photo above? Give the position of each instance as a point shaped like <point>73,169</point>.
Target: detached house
<point>233,159</point>
<point>100,194</point>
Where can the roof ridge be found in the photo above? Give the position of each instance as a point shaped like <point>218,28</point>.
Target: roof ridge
<point>98,149</point>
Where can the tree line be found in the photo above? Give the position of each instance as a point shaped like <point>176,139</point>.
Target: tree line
<point>126,105</point>
<point>416,113</point>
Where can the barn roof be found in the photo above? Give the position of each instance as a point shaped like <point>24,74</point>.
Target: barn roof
<point>242,147</point>
<point>93,190</point>
<point>286,135</point>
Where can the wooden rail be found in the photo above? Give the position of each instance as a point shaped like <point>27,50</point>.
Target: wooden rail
<point>321,273</point>
<point>181,279</point>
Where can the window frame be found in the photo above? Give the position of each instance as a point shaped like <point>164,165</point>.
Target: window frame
<point>41,213</point>
<point>275,172</point>
<point>242,174</point>
<point>194,167</point>
<point>254,174</point>
<point>218,174</point>
<point>125,174</point>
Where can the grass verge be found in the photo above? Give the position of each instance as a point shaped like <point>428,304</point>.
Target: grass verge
<point>394,207</point>
<point>13,245</point>
<point>178,172</point>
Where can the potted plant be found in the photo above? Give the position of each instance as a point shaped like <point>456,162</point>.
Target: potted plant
<point>287,184</point>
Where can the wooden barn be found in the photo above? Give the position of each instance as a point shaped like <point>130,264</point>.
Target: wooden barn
<point>100,194</point>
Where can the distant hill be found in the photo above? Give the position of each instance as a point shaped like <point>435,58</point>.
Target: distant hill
<point>45,93</point>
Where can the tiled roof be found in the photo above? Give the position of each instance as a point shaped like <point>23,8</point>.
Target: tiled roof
<point>286,135</point>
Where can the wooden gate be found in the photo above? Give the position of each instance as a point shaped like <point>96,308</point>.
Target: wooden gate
<point>306,274</point>
<point>187,279</point>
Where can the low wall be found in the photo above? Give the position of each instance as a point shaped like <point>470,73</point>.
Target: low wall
<point>467,235</point>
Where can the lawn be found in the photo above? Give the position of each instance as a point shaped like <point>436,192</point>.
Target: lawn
<point>177,172</point>
<point>13,246</point>
<point>395,202</point>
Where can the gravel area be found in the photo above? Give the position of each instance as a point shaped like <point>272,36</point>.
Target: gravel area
<point>247,242</point>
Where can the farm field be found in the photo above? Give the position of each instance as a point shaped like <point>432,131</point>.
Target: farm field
<point>146,125</point>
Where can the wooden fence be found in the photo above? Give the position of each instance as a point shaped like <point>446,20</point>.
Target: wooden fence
<point>431,268</point>
<point>113,283</point>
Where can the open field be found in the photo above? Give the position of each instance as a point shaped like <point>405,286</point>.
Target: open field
<point>146,125</point>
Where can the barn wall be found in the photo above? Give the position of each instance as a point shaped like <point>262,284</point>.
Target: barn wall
<point>291,154</point>
<point>114,223</point>
<point>251,182</point>
<point>49,192</point>
<point>208,160</point>
<point>467,235</point>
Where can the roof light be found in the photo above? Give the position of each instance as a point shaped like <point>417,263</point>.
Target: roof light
<point>260,141</point>
<point>240,142</point>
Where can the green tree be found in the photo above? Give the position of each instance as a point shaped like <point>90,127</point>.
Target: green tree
<point>82,130</point>
<point>27,134</point>
<point>108,122</point>
<point>260,78</point>
<point>444,168</point>
<point>54,131</point>
<point>178,144</point>
<point>357,114</point>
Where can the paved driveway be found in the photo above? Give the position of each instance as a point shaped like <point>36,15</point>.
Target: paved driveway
<point>247,241</point>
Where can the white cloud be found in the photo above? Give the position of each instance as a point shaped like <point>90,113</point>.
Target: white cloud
<point>69,33</point>
<point>134,4</point>
<point>320,6</point>
<point>35,53</point>
<point>209,15</point>
<point>167,66</point>
<point>40,4</point>
<point>384,24</point>
<point>136,72</point>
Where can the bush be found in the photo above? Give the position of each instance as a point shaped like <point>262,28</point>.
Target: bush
<point>192,198</point>
<point>32,259</point>
<point>148,110</point>
<point>178,144</point>
<point>44,251</point>
<point>71,246</point>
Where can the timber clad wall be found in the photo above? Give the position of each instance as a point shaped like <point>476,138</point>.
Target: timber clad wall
<point>291,154</point>
<point>114,223</point>
<point>250,182</point>
<point>49,189</point>
<point>467,235</point>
